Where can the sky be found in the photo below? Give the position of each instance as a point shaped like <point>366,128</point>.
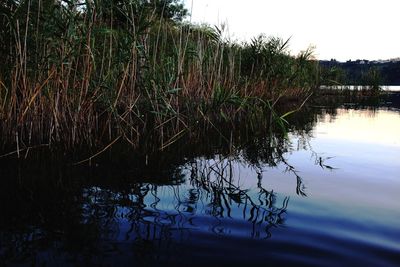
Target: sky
<point>339,29</point>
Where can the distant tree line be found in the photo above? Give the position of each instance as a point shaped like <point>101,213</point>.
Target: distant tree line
<point>360,72</point>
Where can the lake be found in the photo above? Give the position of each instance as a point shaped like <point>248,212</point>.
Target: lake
<point>327,194</point>
<point>390,88</point>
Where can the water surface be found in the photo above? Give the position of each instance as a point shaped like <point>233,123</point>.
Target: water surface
<point>327,195</point>
<point>392,88</point>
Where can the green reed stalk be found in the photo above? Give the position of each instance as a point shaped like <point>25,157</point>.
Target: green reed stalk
<point>87,72</point>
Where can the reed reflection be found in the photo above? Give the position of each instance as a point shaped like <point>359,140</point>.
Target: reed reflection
<point>146,206</point>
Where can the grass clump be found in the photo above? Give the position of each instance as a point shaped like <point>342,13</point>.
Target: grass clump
<point>86,73</point>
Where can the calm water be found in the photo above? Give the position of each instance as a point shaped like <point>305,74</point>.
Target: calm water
<point>329,195</point>
<point>393,88</point>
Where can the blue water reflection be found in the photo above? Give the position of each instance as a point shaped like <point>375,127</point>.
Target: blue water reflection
<point>327,198</point>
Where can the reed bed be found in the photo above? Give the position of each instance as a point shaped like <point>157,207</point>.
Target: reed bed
<point>92,73</point>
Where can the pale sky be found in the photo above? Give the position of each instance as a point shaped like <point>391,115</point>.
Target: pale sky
<point>341,29</point>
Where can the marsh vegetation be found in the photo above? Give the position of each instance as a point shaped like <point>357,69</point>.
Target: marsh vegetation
<point>130,135</point>
<point>91,73</point>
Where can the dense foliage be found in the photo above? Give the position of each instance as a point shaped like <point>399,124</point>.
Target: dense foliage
<point>92,72</point>
<point>360,72</point>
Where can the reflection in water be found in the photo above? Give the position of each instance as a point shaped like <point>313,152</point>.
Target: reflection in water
<point>93,221</point>
<point>215,181</point>
<point>362,126</point>
<point>164,207</point>
<point>84,214</point>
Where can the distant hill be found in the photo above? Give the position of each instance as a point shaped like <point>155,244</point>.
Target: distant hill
<point>355,72</point>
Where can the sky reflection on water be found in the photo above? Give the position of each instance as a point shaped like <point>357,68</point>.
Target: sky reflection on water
<point>326,196</point>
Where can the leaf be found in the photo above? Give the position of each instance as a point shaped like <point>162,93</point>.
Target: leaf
<point>174,90</point>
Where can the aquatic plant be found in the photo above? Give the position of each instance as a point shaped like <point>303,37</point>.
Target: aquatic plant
<point>91,73</point>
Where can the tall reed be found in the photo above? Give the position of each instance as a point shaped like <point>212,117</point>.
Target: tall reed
<point>93,72</point>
